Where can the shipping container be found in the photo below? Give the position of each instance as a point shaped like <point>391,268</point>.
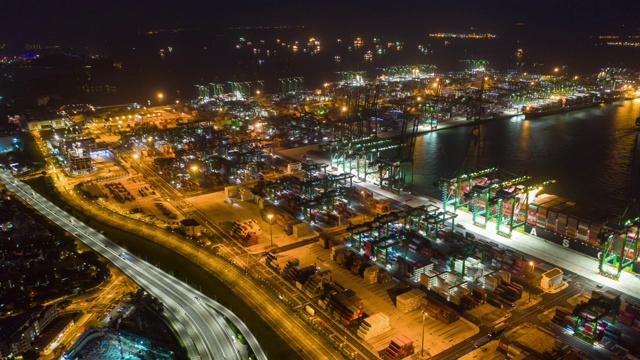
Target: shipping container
<point>553,216</point>
<point>543,210</point>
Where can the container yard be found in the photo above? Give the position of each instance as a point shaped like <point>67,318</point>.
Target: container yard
<point>396,308</point>
<point>399,348</point>
<point>603,320</point>
<point>509,203</point>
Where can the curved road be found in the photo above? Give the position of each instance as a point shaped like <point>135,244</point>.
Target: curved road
<point>199,323</point>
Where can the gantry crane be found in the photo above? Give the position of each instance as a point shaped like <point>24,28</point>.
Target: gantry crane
<point>218,89</point>
<point>203,91</point>
<point>515,201</point>
<point>452,191</point>
<point>394,172</point>
<point>619,243</point>
<point>486,193</point>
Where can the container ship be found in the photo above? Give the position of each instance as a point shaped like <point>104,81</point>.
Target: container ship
<point>559,105</point>
<point>566,223</point>
<point>550,217</point>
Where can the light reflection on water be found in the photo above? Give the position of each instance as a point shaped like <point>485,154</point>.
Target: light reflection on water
<point>594,154</point>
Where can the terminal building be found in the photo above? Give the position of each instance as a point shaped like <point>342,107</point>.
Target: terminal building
<point>43,119</point>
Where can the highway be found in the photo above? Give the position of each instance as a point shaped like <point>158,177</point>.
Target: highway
<point>280,312</point>
<point>197,318</point>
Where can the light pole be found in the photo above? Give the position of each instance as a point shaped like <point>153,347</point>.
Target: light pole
<point>423,316</point>
<point>270,217</point>
<point>533,266</point>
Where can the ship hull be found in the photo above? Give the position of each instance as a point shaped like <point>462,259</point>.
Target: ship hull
<point>535,115</point>
<point>573,244</point>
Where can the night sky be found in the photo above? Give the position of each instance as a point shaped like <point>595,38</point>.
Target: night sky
<point>75,22</point>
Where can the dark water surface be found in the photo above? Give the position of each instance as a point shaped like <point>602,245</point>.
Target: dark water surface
<point>594,154</point>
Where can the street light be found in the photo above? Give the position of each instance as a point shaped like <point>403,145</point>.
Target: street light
<point>424,314</point>
<point>532,272</point>
<point>270,217</point>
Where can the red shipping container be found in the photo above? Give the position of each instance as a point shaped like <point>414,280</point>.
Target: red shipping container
<point>630,308</point>
<point>625,320</point>
<point>521,263</point>
<point>627,314</point>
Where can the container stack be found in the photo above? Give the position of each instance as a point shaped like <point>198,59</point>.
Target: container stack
<point>428,279</point>
<point>422,270</point>
<point>626,318</point>
<point>491,282</point>
<point>272,261</point>
<point>399,348</point>
<point>384,277</point>
<point>292,274</point>
<point>371,274</point>
<point>458,294</point>
<point>414,245</point>
<point>338,249</point>
<point>358,266</point>
<point>292,265</point>
<point>480,295</point>
<point>409,300</point>
<point>373,326</point>
<point>563,317</point>
<point>304,274</point>
<point>635,312</point>
<point>346,306</point>
<point>504,275</point>
<point>314,286</point>
<point>436,310</point>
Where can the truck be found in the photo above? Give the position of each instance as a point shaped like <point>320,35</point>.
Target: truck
<point>497,329</point>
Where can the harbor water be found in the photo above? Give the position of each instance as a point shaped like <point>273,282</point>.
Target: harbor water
<point>593,154</point>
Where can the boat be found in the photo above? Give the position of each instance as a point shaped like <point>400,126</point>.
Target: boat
<point>559,105</point>
<point>611,96</point>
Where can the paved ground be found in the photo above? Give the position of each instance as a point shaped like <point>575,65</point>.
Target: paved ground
<point>379,298</point>
<point>214,207</point>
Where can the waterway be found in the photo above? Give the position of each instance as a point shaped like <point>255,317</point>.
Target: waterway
<point>594,154</point>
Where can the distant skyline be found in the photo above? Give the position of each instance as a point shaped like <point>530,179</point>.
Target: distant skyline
<point>89,23</point>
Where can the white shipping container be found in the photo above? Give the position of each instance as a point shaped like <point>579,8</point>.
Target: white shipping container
<point>311,311</point>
